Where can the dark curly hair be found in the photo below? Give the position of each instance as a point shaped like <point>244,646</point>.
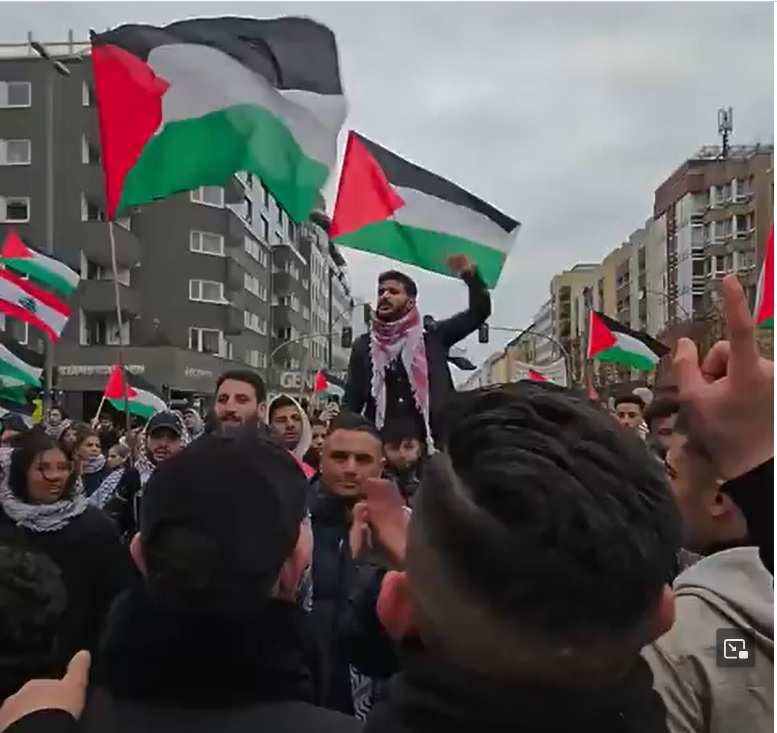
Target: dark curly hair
<point>542,537</point>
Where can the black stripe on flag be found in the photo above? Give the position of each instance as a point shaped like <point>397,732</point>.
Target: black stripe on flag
<point>139,383</point>
<point>28,356</point>
<point>659,349</point>
<point>290,53</point>
<point>403,173</point>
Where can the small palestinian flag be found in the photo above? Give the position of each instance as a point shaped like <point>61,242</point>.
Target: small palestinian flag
<point>49,272</point>
<point>320,383</point>
<point>536,376</point>
<point>18,364</point>
<point>391,207</point>
<point>141,397</point>
<point>31,304</point>
<point>197,101</point>
<point>611,341</point>
<point>325,383</point>
<point>764,308</point>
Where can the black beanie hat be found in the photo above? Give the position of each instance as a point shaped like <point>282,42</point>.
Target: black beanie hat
<point>218,520</point>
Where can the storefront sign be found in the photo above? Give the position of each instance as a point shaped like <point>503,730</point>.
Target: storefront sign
<point>292,381</point>
<point>96,370</point>
<point>193,373</point>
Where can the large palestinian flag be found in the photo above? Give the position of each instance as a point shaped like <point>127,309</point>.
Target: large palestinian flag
<point>764,304</point>
<point>192,103</point>
<point>391,207</point>
<point>611,341</point>
<point>140,397</point>
<point>31,304</point>
<point>52,273</point>
<point>18,364</point>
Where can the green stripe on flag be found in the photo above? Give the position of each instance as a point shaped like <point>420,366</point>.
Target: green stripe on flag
<point>40,272</point>
<point>267,149</point>
<point>631,359</point>
<point>423,248</point>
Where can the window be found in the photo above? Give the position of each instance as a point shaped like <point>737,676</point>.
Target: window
<point>87,95</point>
<point>207,291</point>
<point>263,258</point>
<point>90,153</point>
<point>256,359</point>
<point>262,293</point>
<point>264,228</point>
<point>15,209</point>
<point>206,243</point>
<point>15,94</point>
<point>207,340</point>
<point>290,229</point>
<point>253,322</point>
<point>18,330</point>
<point>91,211</point>
<point>15,152</point>
<point>251,283</point>
<point>248,210</point>
<point>208,195</point>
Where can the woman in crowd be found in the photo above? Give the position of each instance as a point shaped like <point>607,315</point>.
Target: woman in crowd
<point>42,498</point>
<point>91,462</point>
<point>68,437</point>
<point>122,479</point>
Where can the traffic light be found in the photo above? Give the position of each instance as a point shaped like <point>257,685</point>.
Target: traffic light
<point>346,337</point>
<point>483,334</point>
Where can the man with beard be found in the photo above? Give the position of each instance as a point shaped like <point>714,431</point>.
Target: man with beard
<point>352,453</point>
<point>291,424</point>
<point>398,368</point>
<point>241,399</point>
<point>164,437</point>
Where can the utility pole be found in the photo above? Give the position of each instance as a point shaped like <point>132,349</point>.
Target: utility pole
<point>54,67</point>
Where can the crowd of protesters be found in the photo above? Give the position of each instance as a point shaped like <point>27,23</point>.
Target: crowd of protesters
<point>551,566</point>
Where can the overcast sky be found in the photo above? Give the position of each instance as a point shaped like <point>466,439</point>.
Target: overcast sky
<point>565,116</point>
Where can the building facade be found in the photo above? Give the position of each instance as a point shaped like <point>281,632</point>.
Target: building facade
<point>209,279</point>
<point>715,213</point>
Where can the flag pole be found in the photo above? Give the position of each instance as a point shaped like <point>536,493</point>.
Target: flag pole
<point>117,295</point>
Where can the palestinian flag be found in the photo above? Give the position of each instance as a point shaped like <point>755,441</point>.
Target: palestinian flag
<point>764,303</point>
<point>141,397</point>
<point>391,207</point>
<point>536,376</point>
<point>197,101</point>
<point>31,304</point>
<point>611,341</point>
<point>325,383</point>
<point>52,273</point>
<point>18,364</point>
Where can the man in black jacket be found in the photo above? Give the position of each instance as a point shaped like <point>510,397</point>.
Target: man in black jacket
<point>398,369</point>
<point>213,640</point>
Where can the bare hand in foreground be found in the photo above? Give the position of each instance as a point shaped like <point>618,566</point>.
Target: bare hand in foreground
<point>730,396</point>
<point>389,518</point>
<point>68,694</point>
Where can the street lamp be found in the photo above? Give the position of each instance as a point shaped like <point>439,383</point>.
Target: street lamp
<point>54,67</point>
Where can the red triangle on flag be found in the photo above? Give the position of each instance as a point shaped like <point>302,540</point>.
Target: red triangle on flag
<point>600,338</point>
<point>536,376</point>
<point>129,112</point>
<point>114,389</point>
<point>320,383</point>
<point>364,195</point>
<point>764,308</point>
<point>14,248</point>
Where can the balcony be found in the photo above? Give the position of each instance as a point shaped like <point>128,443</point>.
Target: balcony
<point>235,321</point>
<point>95,243</point>
<point>98,296</point>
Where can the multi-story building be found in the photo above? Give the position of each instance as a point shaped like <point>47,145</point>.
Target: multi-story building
<point>208,279</point>
<point>567,290</point>
<point>714,213</point>
<point>541,348</point>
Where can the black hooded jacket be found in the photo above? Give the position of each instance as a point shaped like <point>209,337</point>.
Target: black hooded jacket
<point>159,671</point>
<point>438,341</point>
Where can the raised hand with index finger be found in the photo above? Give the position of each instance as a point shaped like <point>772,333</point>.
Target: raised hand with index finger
<point>730,395</point>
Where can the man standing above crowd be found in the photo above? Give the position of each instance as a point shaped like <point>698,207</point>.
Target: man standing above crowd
<point>398,369</point>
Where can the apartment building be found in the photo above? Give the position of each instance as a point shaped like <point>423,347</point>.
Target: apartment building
<point>209,279</point>
<point>567,291</point>
<point>715,212</point>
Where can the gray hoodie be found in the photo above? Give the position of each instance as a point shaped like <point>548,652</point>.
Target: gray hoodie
<point>728,590</point>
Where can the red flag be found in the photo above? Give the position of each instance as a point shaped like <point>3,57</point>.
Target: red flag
<point>320,384</point>
<point>536,376</point>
